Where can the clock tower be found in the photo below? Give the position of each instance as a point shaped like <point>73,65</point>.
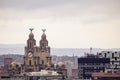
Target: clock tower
<point>36,57</point>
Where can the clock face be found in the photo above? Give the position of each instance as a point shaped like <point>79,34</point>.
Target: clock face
<point>30,54</point>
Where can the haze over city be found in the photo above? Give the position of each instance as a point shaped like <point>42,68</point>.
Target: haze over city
<point>68,23</point>
<point>59,40</point>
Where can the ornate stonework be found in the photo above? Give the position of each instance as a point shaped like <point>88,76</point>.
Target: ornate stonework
<point>36,57</point>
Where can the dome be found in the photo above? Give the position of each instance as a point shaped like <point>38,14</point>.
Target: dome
<point>14,64</point>
<point>61,64</point>
<point>31,35</point>
<point>49,64</point>
<point>43,35</point>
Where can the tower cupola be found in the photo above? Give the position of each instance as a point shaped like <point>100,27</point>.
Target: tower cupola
<point>31,42</point>
<point>43,41</point>
<point>43,35</point>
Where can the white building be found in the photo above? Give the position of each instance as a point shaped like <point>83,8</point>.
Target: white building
<point>44,75</point>
<point>114,58</point>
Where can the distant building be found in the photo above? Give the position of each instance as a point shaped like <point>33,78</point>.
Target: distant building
<point>7,62</point>
<point>70,63</point>
<point>114,58</point>
<point>74,73</point>
<point>90,64</point>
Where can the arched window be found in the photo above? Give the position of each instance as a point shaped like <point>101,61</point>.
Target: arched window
<point>30,44</point>
<point>29,62</point>
<point>42,61</point>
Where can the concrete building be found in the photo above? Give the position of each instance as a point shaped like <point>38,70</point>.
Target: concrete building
<point>114,58</point>
<point>7,63</point>
<point>90,64</point>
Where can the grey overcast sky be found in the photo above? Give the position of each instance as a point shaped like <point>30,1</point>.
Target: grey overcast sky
<point>69,23</point>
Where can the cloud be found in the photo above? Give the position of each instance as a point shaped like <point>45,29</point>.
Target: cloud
<point>82,21</point>
<point>60,8</point>
<point>33,4</point>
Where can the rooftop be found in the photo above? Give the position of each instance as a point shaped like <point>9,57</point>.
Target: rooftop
<point>102,74</point>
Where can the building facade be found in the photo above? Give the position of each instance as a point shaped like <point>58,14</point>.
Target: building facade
<point>114,58</point>
<point>88,65</point>
<point>36,57</point>
<point>7,63</point>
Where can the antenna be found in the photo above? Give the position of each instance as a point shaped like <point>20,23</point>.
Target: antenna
<point>90,50</point>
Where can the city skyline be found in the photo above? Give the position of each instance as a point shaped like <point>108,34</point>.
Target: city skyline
<point>68,23</point>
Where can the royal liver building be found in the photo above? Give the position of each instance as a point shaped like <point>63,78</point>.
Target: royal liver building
<point>37,58</point>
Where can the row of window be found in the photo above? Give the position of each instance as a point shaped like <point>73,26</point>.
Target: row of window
<point>91,64</point>
<point>30,62</point>
<point>108,55</point>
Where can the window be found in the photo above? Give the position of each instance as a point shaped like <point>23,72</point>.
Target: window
<point>29,62</point>
<point>112,62</point>
<point>112,55</point>
<point>35,63</point>
<point>100,53</point>
<point>105,55</point>
<point>24,62</point>
<point>30,44</point>
<point>42,61</point>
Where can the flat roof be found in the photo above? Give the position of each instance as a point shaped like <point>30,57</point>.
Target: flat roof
<point>102,74</point>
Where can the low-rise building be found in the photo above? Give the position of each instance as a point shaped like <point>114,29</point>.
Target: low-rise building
<point>7,63</point>
<point>106,76</point>
<point>44,75</point>
<point>74,73</point>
